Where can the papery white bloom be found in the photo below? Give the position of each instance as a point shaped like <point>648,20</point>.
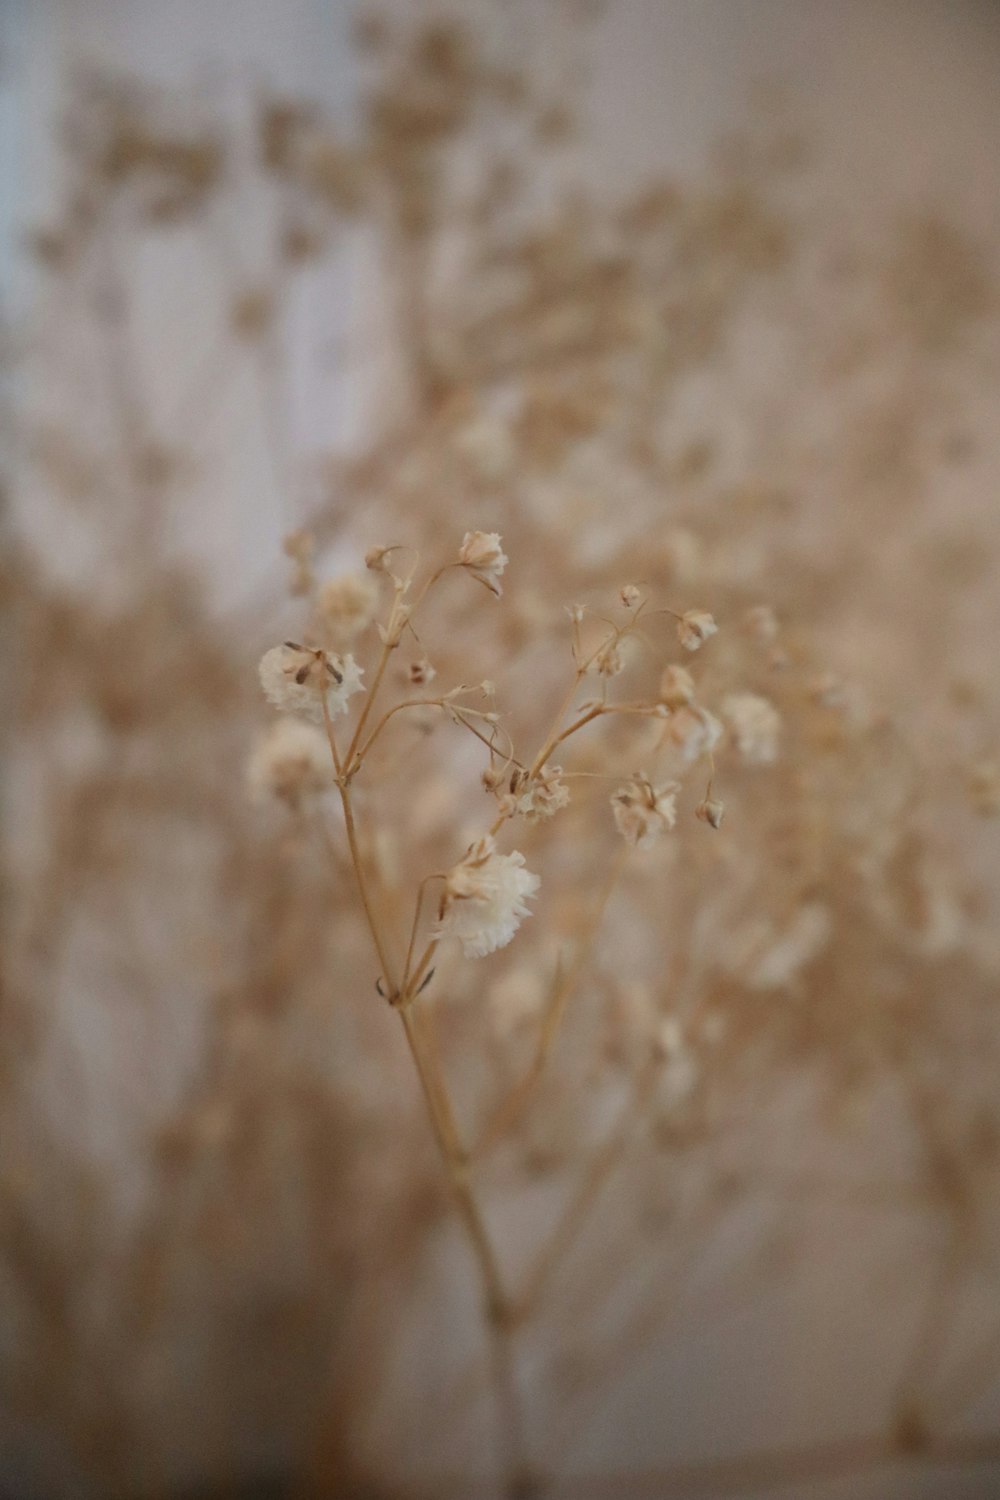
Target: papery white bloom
<point>676,687</point>
<point>694,628</point>
<point>297,678</point>
<point>541,796</point>
<point>711,811</point>
<point>483,555</point>
<point>755,725</point>
<point>347,605</point>
<point>484,899</point>
<point>610,660</point>
<point>643,811</point>
<point>629,596</point>
<point>421,672</point>
<point>375,559</point>
<point>290,761</point>
<point>694,731</point>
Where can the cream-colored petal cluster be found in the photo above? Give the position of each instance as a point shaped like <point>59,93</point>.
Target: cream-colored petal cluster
<point>296,679</point>
<point>484,899</point>
<point>484,557</point>
<point>291,761</point>
<point>539,796</point>
<point>643,811</point>
<point>347,606</point>
<point>694,628</point>
<point>755,726</point>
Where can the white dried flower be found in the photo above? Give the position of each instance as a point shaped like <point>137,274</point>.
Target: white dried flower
<point>484,899</point>
<point>711,811</point>
<point>291,761</point>
<point>421,672</point>
<point>643,811</point>
<point>629,596</point>
<point>694,731</point>
<point>610,660</point>
<point>676,687</point>
<point>297,678</point>
<point>755,725</point>
<point>694,628</point>
<point>484,557</point>
<point>347,606</point>
<point>540,796</point>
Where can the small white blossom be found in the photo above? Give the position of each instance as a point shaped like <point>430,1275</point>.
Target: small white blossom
<point>694,731</point>
<point>484,557</point>
<point>610,660</point>
<point>421,672</point>
<point>676,687</point>
<point>290,761</point>
<point>297,678</point>
<point>629,596</point>
<point>484,899</point>
<point>537,797</point>
<point>694,628</point>
<point>643,811</point>
<point>347,606</point>
<point>755,725</point>
<point>711,811</point>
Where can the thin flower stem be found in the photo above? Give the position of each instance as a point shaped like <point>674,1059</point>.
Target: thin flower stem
<point>420,970</point>
<point>497,1304</point>
<point>356,861</point>
<point>352,840</point>
<point>577,1210</point>
<point>513,1106</point>
<point>561,712</point>
<point>415,927</point>
<point>388,646</point>
<point>454,1159</point>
